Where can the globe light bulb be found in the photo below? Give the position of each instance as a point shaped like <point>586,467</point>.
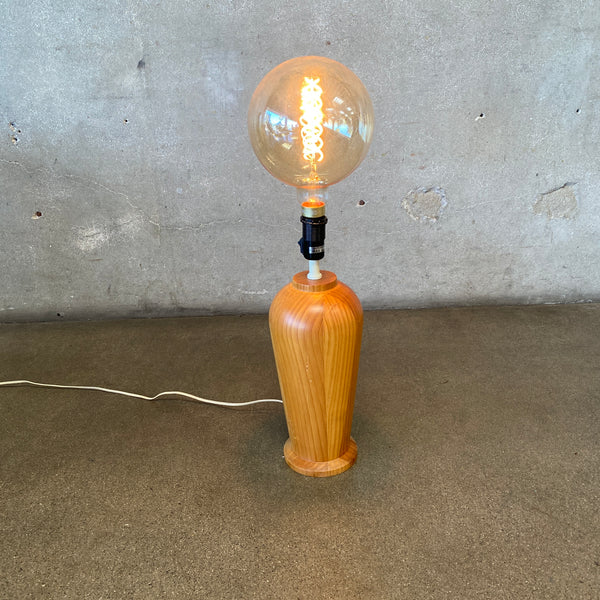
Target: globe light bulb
<point>310,123</point>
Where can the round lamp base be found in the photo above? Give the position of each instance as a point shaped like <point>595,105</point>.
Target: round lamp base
<point>320,469</point>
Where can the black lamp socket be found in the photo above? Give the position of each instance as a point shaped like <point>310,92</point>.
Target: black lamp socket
<point>312,244</point>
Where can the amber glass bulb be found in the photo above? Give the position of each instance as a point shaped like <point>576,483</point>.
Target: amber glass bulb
<point>310,122</point>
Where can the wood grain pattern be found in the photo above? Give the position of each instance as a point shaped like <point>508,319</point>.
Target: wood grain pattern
<point>316,329</point>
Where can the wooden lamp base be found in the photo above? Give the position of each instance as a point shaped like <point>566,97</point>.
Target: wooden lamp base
<point>320,469</point>
<point>316,330</point>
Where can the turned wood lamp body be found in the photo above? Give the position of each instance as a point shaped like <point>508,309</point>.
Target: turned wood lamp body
<point>310,123</point>
<point>316,329</point>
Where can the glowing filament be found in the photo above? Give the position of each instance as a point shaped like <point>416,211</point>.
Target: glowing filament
<point>312,121</point>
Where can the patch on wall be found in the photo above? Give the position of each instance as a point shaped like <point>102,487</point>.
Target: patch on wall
<point>88,239</point>
<point>560,203</point>
<point>425,204</point>
<point>95,237</point>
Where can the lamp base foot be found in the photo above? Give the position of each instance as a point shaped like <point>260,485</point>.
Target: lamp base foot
<point>325,468</point>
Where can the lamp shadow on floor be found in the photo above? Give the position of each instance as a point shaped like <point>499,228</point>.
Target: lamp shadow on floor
<point>274,485</point>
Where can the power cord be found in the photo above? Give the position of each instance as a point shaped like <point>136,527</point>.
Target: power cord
<point>141,396</point>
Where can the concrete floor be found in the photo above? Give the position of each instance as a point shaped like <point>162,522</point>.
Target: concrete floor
<point>478,473</point>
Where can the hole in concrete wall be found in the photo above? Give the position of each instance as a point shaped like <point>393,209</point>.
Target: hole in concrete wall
<point>361,203</point>
<point>15,129</point>
<point>480,116</point>
<point>141,64</point>
<point>125,121</point>
<point>578,111</point>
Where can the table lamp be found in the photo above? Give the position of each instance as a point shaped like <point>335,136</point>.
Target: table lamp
<point>310,123</point>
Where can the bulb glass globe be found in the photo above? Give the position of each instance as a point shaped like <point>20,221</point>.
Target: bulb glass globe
<point>310,123</point>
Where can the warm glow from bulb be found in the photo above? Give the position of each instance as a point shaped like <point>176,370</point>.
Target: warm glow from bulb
<point>312,121</point>
<point>313,203</point>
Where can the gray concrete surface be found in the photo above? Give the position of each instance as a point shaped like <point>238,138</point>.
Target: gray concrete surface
<point>128,186</point>
<point>478,473</point>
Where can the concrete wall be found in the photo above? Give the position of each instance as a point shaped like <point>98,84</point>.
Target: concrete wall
<point>129,187</point>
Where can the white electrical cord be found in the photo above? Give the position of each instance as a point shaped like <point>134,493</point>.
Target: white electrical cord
<point>132,395</point>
